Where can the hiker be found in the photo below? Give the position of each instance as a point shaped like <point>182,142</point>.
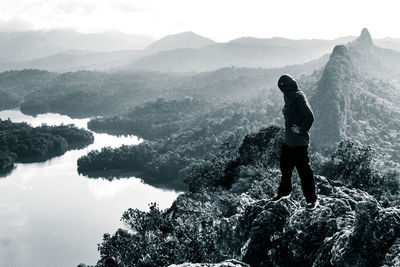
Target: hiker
<point>294,152</point>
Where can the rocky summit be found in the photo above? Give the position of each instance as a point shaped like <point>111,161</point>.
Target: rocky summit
<point>227,263</point>
<point>238,221</point>
<point>365,37</point>
<point>348,229</point>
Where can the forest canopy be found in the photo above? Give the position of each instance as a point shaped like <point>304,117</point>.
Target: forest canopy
<point>22,142</point>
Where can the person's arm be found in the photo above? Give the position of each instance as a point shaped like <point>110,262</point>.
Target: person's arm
<point>306,111</point>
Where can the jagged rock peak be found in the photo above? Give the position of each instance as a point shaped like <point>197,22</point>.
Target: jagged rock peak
<point>339,50</point>
<point>365,37</point>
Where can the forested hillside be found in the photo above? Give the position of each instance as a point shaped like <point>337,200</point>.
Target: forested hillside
<point>175,144</point>
<point>14,85</point>
<point>19,142</point>
<point>90,93</point>
<point>155,119</point>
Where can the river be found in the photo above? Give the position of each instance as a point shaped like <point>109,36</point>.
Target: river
<point>52,216</point>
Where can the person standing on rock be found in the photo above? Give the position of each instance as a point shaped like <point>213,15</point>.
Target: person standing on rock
<point>294,152</point>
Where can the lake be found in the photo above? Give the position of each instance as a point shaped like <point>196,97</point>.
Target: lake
<point>52,216</point>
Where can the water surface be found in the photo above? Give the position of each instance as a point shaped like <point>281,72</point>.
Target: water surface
<point>52,216</point>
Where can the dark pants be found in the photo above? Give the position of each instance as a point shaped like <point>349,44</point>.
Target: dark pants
<point>296,157</point>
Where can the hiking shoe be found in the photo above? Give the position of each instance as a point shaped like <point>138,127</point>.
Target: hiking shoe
<point>278,197</point>
<point>312,205</point>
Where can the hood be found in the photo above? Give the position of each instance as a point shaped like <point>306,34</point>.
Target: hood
<point>287,84</point>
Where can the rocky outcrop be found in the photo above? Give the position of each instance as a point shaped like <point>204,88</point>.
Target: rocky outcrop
<point>372,60</point>
<point>357,95</point>
<point>331,101</point>
<point>349,227</point>
<point>262,147</point>
<point>227,263</point>
<point>364,39</point>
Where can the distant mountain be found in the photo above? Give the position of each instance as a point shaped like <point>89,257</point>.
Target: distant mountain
<point>243,52</point>
<point>74,60</point>
<point>179,41</point>
<point>92,93</point>
<point>303,43</point>
<point>357,96</point>
<point>373,60</point>
<point>23,46</point>
<point>238,84</point>
<point>67,50</point>
<point>391,43</point>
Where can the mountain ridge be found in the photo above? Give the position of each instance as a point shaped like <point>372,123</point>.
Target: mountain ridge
<point>355,94</point>
<point>185,51</point>
<point>14,44</point>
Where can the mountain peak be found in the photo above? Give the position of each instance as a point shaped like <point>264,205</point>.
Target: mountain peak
<point>339,50</point>
<point>186,39</point>
<point>365,37</point>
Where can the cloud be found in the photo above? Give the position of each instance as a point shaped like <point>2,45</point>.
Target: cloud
<point>14,25</point>
<point>220,20</point>
<point>76,8</point>
<point>129,7</point>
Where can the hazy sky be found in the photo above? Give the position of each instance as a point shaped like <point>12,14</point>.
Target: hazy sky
<point>220,20</point>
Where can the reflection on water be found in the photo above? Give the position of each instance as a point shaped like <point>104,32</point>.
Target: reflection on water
<point>49,118</point>
<point>52,216</point>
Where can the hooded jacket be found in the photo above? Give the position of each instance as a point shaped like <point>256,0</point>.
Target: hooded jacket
<point>297,111</point>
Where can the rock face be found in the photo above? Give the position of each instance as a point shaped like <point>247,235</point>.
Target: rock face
<point>331,101</point>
